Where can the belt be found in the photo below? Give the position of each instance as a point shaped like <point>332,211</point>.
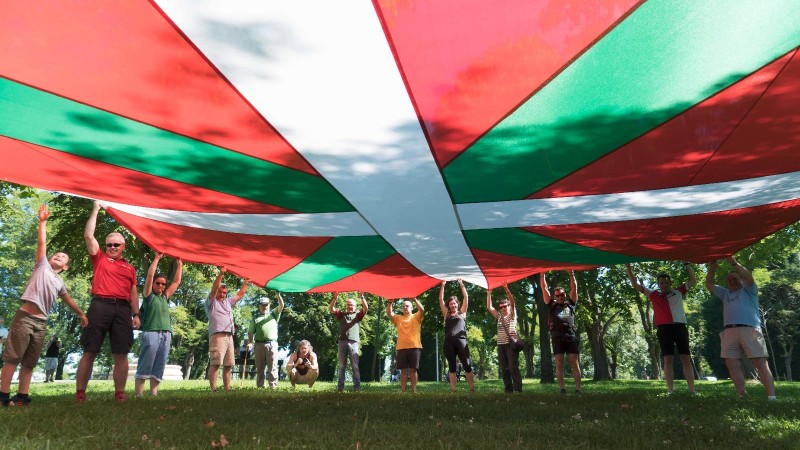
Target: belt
<point>266,342</point>
<point>156,331</point>
<point>737,325</point>
<point>111,299</point>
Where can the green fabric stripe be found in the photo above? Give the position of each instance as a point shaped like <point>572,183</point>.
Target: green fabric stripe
<point>664,58</point>
<point>31,115</point>
<point>516,242</point>
<point>338,258</point>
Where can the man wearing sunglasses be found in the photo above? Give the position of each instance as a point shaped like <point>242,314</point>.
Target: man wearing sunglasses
<point>114,309</point>
<point>670,319</point>
<point>563,330</point>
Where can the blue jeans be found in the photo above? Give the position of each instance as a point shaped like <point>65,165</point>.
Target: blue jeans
<point>349,348</point>
<point>153,354</point>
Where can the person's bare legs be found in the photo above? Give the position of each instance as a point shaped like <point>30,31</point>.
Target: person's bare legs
<point>575,363</point>
<point>735,370</point>
<point>470,381</point>
<point>84,370</point>
<point>6,376</point>
<point>120,371</point>
<point>669,372</point>
<point>452,377</point>
<point>212,377</point>
<point>688,372</point>
<point>403,379</point>
<point>763,373</point>
<point>227,373</point>
<point>154,386</point>
<point>138,385</point>
<point>560,370</point>
<point>413,374</point>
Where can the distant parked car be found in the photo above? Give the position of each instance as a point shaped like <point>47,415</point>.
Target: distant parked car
<point>710,378</point>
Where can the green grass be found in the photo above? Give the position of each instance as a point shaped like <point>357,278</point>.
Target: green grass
<point>622,414</point>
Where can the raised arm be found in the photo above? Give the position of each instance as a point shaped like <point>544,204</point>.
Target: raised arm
<point>692,277</point>
<point>573,287</point>
<point>332,307</point>
<point>151,272</point>
<point>511,300</point>
<point>176,280</point>
<point>747,277</point>
<point>545,290</point>
<point>41,248</point>
<point>217,282</point>
<point>711,275</point>
<point>280,303</point>
<point>442,306</point>
<point>389,311</point>
<point>632,279</point>
<point>364,305</point>
<point>464,297</point>
<point>489,306</point>
<point>419,305</point>
<point>241,292</point>
<point>88,232</point>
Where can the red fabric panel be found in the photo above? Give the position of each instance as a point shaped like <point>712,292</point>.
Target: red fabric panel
<point>123,56</point>
<point>697,238</point>
<point>672,154</point>
<point>768,140</point>
<point>259,258</point>
<point>44,168</point>
<point>394,277</point>
<point>500,269</point>
<point>468,63</point>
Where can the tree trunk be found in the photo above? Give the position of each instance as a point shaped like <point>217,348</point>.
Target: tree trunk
<point>376,344</point>
<point>613,365</point>
<point>62,358</point>
<point>547,375</point>
<point>599,353</point>
<point>188,362</point>
<point>482,364</point>
<point>787,360</point>
<point>649,337</point>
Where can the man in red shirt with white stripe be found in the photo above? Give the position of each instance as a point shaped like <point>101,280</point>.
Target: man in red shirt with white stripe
<point>670,318</point>
<point>114,309</point>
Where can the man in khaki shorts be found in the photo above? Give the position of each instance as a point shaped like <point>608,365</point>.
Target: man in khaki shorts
<point>219,308</point>
<point>741,336</point>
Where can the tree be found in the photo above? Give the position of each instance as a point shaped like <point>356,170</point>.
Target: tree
<point>782,303</point>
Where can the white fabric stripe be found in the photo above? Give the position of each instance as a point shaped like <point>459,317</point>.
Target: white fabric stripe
<point>655,204</point>
<point>301,225</point>
<point>682,201</point>
<point>323,74</point>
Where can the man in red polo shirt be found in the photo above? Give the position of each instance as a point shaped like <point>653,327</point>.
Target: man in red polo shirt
<point>114,301</point>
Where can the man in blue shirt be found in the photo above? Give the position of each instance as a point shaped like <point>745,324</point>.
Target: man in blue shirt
<point>741,336</point>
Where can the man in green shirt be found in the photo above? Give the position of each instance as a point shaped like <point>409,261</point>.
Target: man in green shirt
<point>264,329</point>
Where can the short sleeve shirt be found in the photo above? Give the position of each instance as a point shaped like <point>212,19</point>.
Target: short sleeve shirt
<point>44,286</point>
<point>113,278</point>
<point>667,307</point>
<point>409,329</point>
<point>348,325</point>
<point>740,306</point>
<point>265,327</point>
<point>562,318</point>
<point>220,315</point>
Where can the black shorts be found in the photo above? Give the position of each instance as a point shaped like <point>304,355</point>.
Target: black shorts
<point>671,335</point>
<point>112,317</point>
<point>408,358</point>
<point>566,343</point>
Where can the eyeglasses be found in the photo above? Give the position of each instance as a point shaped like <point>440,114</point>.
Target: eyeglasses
<point>160,283</point>
<point>113,244</point>
<point>503,306</point>
<point>563,294</point>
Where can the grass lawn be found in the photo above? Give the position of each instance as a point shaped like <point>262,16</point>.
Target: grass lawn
<point>621,414</point>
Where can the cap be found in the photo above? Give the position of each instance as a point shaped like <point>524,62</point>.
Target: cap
<point>263,301</point>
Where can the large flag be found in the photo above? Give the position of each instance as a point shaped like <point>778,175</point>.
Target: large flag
<point>382,146</point>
